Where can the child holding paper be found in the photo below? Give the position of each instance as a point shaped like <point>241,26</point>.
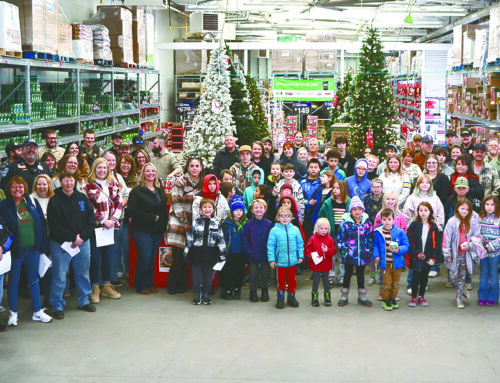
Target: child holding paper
<point>320,249</point>
<point>205,246</point>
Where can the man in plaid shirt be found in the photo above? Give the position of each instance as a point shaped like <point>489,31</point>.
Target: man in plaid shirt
<point>488,175</point>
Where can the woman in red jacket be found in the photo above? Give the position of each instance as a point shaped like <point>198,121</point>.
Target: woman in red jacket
<point>320,251</point>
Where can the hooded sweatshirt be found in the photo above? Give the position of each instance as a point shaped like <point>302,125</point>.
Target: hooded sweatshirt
<point>359,187</point>
<point>221,205</point>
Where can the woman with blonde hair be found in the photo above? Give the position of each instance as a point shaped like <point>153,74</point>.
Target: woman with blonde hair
<point>395,179</point>
<point>43,189</point>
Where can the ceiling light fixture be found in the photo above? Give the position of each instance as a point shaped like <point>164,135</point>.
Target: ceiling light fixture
<point>409,19</point>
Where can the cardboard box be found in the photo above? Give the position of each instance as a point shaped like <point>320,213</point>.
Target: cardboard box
<point>121,55</point>
<point>10,27</point>
<point>51,13</point>
<point>64,40</point>
<point>33,26</point>
<point>494,36</point>
<point>139,38</point>
<point>285,61</point>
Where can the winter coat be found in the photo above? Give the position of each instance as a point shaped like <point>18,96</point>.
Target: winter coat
<point>326,211</point>
<point>399,183</point>
<point>300,167</point>
<point>410,209</point>
<point>450,243</point>
<point>242,177</point>
<point>372,206</point>
<point>348,163</point>
<point>297,193</point>
<point>451,204</point>
<point>359,187</point>
<point>8,211</point>
<point>476,191</point>
<point>355,241</point>
<point>232,234</point>
<point>207,254</point>
<point>431,249</point>
<point>397,235</point>
<point>317,206</point>
<point>399,220</point>
<point>248,196</point>
<point>490,233</point>
<point>309,188</point>
<point>254,240</point>
<point>297,218</point>
<point>285,245</point>
<point>314,245</point>
<point>221,208</point>
<point>5,237</point>
<point>441,185</point>
<point>224,160</point>
<point>68,216</point>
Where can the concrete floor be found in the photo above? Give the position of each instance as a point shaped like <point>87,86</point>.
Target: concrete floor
<point>161,338</point>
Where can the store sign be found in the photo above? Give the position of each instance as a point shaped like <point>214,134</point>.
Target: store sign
<point>303,90</point>
<point>302,107</point>
<point>184,106</point>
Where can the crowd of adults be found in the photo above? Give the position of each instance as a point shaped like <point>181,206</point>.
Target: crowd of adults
<point>62,202</point>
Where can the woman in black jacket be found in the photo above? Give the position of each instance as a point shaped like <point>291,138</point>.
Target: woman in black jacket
<point>147,208</point>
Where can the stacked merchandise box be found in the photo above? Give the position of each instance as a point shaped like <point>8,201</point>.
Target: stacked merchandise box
<point>494,35</point>
<point>320,61</point>
<point>480,48</point>
<point>176,136</point>
<point>64,40</point>
<point>10,29</point>
<point>101,42</point>
<point>285,60</point>
<point>312,127</point>
<point>118,20</point>
<point>33,25</point>
<point>51,13</point>
<point>463,43</point>
<point>82,43</point>
<point>492,96</point>
<point>139,35</point>
<point>406,62</point>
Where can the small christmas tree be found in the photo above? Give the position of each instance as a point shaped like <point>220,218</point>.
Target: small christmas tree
<point>259,117</point>
<point>373,101</point>
<point>339,111</point>
<point>213,120</point>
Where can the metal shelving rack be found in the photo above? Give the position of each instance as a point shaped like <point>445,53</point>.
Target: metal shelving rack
<point>146,79</point>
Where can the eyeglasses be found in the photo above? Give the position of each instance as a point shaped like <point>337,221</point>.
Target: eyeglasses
<point>285,215</point>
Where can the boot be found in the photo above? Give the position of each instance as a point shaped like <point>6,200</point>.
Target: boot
<point>328,298</point>
<point>94,298</point>
<point>237,294</point>
<point>253,296</point>
<point>226,295</point>
<point>362,299</point>
<point>265,295</point>
<point>280,301</point>
<point>291,300</point>
<point>108,292</point>
<point>314,298</point>
<point>344,296</point>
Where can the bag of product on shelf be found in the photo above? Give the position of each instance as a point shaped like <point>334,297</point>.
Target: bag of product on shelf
<point>10,28</point>
<point>101,42</point>
<point>82,43</point>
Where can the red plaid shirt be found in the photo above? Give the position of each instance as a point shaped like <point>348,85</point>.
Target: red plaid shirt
<point>108,204</point>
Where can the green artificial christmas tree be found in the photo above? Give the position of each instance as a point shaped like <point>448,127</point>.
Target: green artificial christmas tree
<point>373,107</point>
<point>259,117</point>
<point>339,112</point>
<point>213,120</point>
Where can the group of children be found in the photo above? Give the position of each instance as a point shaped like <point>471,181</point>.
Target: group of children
<point>351,233</point>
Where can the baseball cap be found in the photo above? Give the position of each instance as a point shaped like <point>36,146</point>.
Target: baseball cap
<point>12,147</point>
<point>30,141</point>
<point>245,148</point>
<point>466,132</point>
<point>137,141</point>
<point>427,139</point>
<point>267,139</point>
<point>461,182</point>
<point>116,135</point>
<point>125,143</point>
<point>451,133</point>
<point>479,147</point>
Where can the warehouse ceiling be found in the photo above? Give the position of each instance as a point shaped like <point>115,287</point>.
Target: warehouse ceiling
<point>258,20</point>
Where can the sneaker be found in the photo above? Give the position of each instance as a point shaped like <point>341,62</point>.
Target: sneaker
<point>412,302</point>
<point>58,315</point>
<point>371,281</point>
<point>423,301</point>
<point>40,316</point>
<point>226,295</point>
<point>2,309</point>
<point>397,299</point>
<point>379,298</point>
<point>481,302</point>
<point>386,305</point>
<point>197,300</point>
<point>466,293</point>
<point>395,305</point>
<point>89,307</point>
<point>468,286</point>
<point>207,300</point>
<point>433,274</point>
<point>12,319</point>
<point>490,303</point>
<point>408,291</point>
<point>449,284</point>
<point>460,304</point>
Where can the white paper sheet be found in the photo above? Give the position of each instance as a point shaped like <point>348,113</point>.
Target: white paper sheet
<point>104,237</point>
<point>219,265</point>
<point>5,263</point>
<point>44,264</point>
<point>66,246</point>
<point>316,257</point>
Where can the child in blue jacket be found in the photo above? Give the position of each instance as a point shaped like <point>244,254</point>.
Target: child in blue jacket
<point>233,273</point>
<point>390,247</point>
<point>285,250</point>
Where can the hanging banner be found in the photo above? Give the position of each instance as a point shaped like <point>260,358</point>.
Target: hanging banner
<point>303,90</point>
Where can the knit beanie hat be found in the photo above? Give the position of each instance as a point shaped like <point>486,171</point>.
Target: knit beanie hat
<point>356,202</point>
<point>236,203</point>
<point>286,186</point>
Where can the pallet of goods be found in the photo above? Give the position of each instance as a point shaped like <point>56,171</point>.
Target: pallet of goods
<point>10,30</point>
<point>65,42</point>
<point>83,43</point>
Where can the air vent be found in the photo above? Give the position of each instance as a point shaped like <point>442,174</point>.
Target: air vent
<point>210,22</point>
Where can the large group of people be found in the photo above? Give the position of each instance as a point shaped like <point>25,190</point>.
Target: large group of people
<point>277,213</point>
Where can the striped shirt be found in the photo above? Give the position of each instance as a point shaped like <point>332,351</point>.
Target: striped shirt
<point>388,239</point>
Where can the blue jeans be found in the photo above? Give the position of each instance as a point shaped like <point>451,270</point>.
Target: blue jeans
<point>147,248</point>
<point>125,246</point>
<point>60,265</point>
<point>31,259</point>
<point>116,261</point>
<point>488,279</point>
<point>100,261</point>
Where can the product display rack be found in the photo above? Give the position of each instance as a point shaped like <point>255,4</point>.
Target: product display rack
<point>188,89</point>
<point>105,99</point>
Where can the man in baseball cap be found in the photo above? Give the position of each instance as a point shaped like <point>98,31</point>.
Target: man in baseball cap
<point>116,139</point>
<point>487,174</point>
<point>467,146</point>
<point>427,148</point>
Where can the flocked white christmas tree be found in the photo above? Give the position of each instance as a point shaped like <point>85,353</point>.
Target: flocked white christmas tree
<point>213,120</point>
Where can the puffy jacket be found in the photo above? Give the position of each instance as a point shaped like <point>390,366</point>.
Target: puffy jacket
<point>309,187</point>
<point>355,241</point>
<point>359,187</point>
<point>397,235</point>
<point>232,234</point>
<point>372,206</point>
<point>431,248</point>
<point>254,240</point>
<point>490,232</point>
<point>285,245</point>
<point>314,245</point>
